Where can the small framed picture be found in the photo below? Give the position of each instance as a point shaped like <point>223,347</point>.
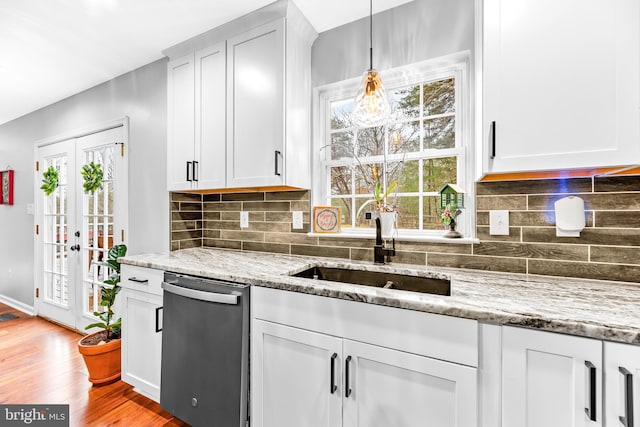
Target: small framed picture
<point>326,219</point>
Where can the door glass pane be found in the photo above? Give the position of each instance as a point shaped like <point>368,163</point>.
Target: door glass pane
<point>55,236</point>
<point>97,220</point>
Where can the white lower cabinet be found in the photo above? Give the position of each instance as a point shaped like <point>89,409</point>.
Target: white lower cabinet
<point>622,385</point>
<point>550,380</point>
<point>302,377</point>
<point>141,311</point>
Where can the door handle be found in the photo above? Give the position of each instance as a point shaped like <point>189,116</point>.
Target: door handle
<point>75,247</point>
<point>492,138</point>
<point>591,410</point>
<point>158,328</point>
<point>189,172</point>
<point>627,419</point>
<point>277,155</point>
<point>195,170</point>
<point>332,386</point>
<point>347,389</point>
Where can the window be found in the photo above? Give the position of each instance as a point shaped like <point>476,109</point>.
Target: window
<point>422,147</point>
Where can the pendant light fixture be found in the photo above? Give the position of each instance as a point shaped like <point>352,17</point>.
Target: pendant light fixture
<point>371,103</point>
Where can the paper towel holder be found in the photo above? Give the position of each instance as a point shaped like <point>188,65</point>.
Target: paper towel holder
<point>570,217</point>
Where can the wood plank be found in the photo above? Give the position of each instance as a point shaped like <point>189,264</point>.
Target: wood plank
<point>40,364</point>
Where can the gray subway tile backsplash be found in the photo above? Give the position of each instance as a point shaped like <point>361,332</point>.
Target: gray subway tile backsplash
<point>608,248</point>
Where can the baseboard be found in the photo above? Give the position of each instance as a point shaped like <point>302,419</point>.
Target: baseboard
<point>17,305</point>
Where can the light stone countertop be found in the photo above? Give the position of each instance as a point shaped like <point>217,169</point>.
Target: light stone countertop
<point>590,308</point>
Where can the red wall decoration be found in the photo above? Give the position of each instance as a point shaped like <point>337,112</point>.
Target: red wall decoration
<point>6,187</point>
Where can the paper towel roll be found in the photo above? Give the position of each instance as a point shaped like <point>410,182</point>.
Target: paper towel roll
<point>570,218</point>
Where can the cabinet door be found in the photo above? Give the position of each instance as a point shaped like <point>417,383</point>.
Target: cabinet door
<point>622,371</point>
<point>210,117</point>
<point>562,83</point>
<point>180,120</point>
<point>550,380</point>
<point>291,377</point>
<point>393,388</point>
<point>255,122</point>
<point>141,341</point>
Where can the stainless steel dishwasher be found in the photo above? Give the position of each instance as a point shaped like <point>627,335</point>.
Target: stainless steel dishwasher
<point>205,351</point>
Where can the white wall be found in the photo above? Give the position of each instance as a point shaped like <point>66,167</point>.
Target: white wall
<point>415,31</point>
<point>139,94</point>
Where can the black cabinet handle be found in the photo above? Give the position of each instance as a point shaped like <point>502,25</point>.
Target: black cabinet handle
<point>492,138</point>
<point>332,386</point>
<point>158,328</point>
<point>347,389</point>
<point>276,162</point>
<point>591,410</point>
<point>189,172</point>
<point>195,170</point>
<point>135,279</point>
<point>627,420</point>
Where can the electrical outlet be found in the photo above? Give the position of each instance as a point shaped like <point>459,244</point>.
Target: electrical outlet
<point>499,223</point>
<point>244,219</point>
<point>297,220</point>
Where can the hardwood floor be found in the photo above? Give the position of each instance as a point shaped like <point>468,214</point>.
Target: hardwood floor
<point>40,364</point>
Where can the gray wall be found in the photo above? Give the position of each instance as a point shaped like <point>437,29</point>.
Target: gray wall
<point>415,31</point>
<point>139,94</point>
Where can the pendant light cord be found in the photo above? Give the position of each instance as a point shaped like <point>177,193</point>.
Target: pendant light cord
<point>371,34</point>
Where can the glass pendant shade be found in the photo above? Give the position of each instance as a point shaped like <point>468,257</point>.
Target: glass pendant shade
<point>371,103</point>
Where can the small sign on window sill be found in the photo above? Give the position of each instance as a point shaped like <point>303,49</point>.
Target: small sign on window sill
<point>326,219</point>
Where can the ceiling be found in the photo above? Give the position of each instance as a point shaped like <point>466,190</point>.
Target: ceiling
<point>52,49</point>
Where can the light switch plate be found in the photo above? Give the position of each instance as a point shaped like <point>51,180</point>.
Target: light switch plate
<point>499,223</point>
<point>244,219</point>
<point>297,220</point>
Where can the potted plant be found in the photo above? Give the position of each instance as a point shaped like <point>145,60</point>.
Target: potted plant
<point>101,349</point>
<point>385,209</point>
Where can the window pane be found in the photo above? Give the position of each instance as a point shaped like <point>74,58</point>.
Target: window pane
<point>370,142</point>
<point>406,102</point>
<point>367,175</point>
<point>431,213</point>
<point>361,221</point>
<point>439,133</point>
<point>406,173</point>
<point>341,113</point>
<point>345,211</point>
<point>439,97</point>
<point>438,172</point>
<point>342,145</point>
<point>404,137</point>
<point>341,180</point>
<point>408,212</point>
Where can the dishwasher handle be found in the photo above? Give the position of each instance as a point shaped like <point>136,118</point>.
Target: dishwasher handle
<point>200,295</point>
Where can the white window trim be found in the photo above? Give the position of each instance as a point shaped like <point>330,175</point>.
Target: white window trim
<point>457,64</point>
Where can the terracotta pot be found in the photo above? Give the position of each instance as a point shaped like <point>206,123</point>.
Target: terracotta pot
<point>102,360</point>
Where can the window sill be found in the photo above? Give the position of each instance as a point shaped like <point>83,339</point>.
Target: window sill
<point>426,238</point>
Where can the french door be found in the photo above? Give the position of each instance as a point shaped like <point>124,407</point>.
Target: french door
<point>75,229</point>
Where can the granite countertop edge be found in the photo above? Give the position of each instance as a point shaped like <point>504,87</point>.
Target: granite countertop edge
<point>589,308</point>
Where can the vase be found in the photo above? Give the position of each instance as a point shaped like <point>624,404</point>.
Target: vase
<point>388,224</point>
<point>102,360</point>
<point>452,233</point>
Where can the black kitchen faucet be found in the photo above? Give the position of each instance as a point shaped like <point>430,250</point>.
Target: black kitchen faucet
<point>379,251</point>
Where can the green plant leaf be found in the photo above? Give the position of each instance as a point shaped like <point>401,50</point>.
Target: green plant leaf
<point>50,179</point>
<point>92,175</point>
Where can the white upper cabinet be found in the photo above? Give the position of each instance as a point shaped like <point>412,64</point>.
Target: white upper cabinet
<point>239,107</point>
<point>196,120</point>
<point>180,123</point>
<point>255,83</point>
<point>561,84</point>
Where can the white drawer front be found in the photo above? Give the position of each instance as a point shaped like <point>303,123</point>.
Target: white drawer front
<point>141,279</point>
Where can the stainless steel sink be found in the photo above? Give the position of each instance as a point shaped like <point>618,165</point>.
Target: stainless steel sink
<point>380,279</point>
